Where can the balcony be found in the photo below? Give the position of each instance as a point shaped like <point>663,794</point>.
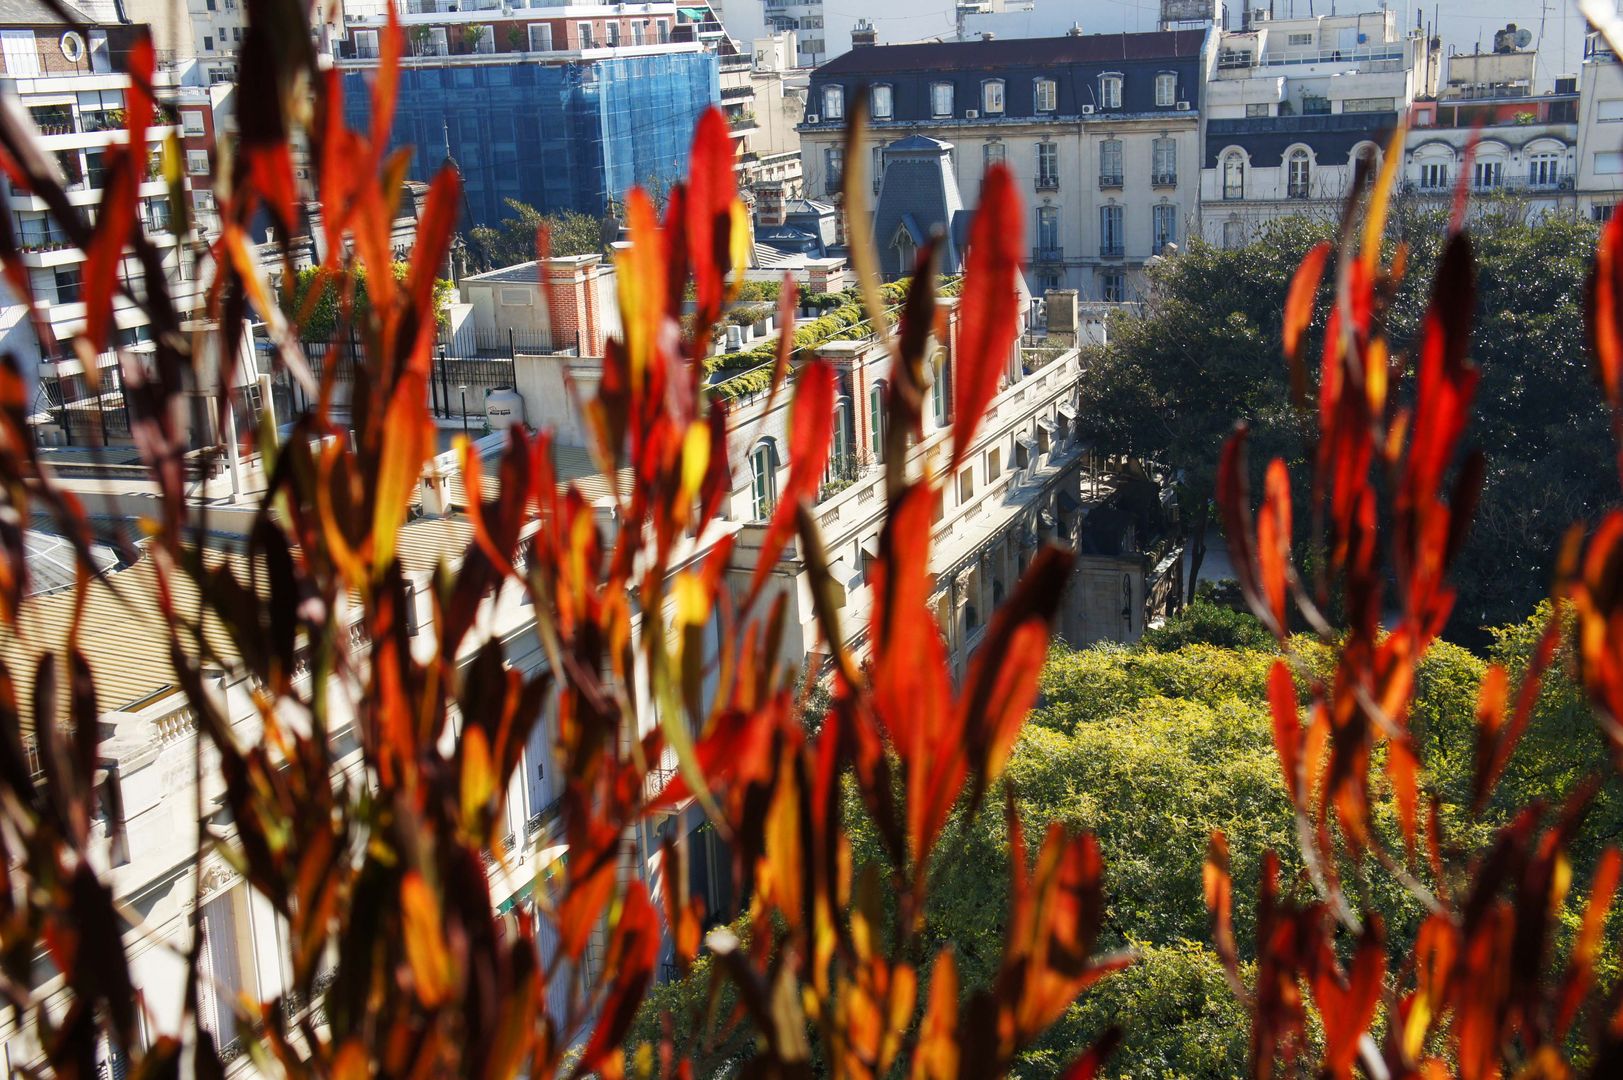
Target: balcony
<point>1047,254</point>
<point>1109,250</point>
<point>1164,179</point>
<point>1047,182</point>
<point>1109,181</point>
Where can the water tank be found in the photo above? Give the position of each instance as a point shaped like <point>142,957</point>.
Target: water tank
<point>504,407</point>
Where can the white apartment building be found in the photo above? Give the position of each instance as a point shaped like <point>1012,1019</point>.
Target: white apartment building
<point>1292,104</point>
<point>1598,175</point>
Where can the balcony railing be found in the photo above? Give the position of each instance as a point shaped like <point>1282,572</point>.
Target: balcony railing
<point>1164,179</point>
<point>1047,182</point>
<point>1108,250</point>
<point>1109,180</point>
<point>1047,254</point>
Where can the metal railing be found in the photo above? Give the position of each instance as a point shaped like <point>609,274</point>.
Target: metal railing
<point>1047,254</point>
<point>1047,182</point>
<point>1109,180</point>
<point>1164,179</point>
<point>1110,251</point>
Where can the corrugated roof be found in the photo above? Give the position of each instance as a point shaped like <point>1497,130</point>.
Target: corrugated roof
<point>124,638</point>
<point>571,464</point>
<point>1002,52</point>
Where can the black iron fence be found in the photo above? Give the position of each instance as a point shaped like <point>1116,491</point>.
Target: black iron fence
<point>458,380</point>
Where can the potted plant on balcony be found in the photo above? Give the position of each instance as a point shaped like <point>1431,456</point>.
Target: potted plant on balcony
<point>473,35</point>
<point>515,38</point>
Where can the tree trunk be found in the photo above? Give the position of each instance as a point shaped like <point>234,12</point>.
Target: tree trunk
<point>1197,547</point>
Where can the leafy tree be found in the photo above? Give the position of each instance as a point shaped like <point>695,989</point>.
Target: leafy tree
<point>320,321</point>
<point>513,241</point>
<point>1204,621</point>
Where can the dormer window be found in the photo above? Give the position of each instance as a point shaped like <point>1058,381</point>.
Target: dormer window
<point>1166,89</point>
<point>882,102</point>
<point>1047,95</point>
<point>833,102</point>
<point>992,97</point>
<point>1110,91</point>
<point>941,99</point>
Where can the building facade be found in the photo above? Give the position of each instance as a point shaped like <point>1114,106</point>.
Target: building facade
<point>1291,106</point>
<point>1102,134</point>
<point>1598,177</point>
<point>564,108</point>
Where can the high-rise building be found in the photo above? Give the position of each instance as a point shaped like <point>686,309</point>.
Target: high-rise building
<point>562,107</point>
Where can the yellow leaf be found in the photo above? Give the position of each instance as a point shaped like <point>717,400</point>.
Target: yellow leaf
<point>478,778</point>
<point>695,459</point>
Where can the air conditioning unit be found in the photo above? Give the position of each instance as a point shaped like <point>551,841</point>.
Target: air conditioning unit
<point>812,118</point>
<point>972,114</point>
<point>1183,106</point>
<point>1087,110</point>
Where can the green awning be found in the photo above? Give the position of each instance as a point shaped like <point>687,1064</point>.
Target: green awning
<point>697,14</point>
<point>523,892</point>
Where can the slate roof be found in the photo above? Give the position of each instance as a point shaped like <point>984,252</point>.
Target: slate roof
<point>1001,53</point>
<point>36,13</point>
<point>919,194</point>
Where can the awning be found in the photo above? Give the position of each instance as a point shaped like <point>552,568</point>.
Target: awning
<point>697,14</point>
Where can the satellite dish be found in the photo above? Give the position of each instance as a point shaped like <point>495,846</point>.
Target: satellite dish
<point>1524,37</point>
<point>73,46</point>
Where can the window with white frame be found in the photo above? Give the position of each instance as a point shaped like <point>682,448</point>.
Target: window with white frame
<point>1259,108</point>
<point>612,30</point>
<point>992,97</point>
<point>1110,91</point>
<point>1164,223</point>
<point>1487,174</point>
<point>1298,174</point>
<point>664,31</point>
<point>1112,286</point>
<point>637,33</point>
<point>993,153</point>
<point>882,102</point>
<point>1047,164</point>
<point>540,37</point>
<point>840,457</point>
<point>833,102</point>
<point>1233,175</point>
<point>1110,168</point>
<point>763,481</point>
<point>585,33</point>
<point>1046,93</point>
<point>833,169</point>
<point>941,99</point>
<point>1164,161</point>
<point>1298,40</point>
<point>197,162</point>
<point>1166,89</point>
<point>366,44</point>
<point>1367,105</point>
<point>938,388</point>
<point>484,39</point>
<point>1233,234</point>
<point>878,170</point>
<point>1110,231</point>
<point>1543,170</point>
<point>191,122</point>
<point>1433,175</point>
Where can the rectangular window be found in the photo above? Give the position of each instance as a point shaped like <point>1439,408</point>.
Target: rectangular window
<point>1609,110</point>
<point>966,486</point>
<point>1112,286</point>
<point>1110,168</point>
<point>1164,162</point>
<point>540,37</point>
<point>992,154</point>
<point>1048,165</point>
<point>941,99</point>
<point>878,171</point>
<point>1233,235</point>
<point>197,162</point>
<point>994,463</point>
<point>436,43</point>
<point>1166,89</point>
<point>585,30</point>
<point>1110,231</point>
<point>1434,175</point>
<point>191,122</point>
<point>20,52</point>
<point>1601,212</point>
<point>1047,95</point>
<point>68,282</point>
<point>992,97</point>
<point>1164,220</point>
<point>833,169</point>
<point>1487,175</point>
<point>366,44</point>
<point>1048,243</point>
<point>1609,163</point>
<point>1262,108</point>
<point>664,32</point>
<point>613,30</point>
<point>833,103</point>
<point>484,39</point>
<point>1110,91</point>
<point>1543,170</point>
<point>881,103</point>
<point>1299,39</point>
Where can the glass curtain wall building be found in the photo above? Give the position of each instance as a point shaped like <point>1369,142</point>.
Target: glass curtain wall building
<point>560,136</point>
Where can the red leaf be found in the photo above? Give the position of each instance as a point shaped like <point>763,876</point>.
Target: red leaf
<point>633,951</point>
<point>711,189</point>
<point>988,319</point>
<point>1287,730</point>
<point>1299,313</point>
<point>1274,541</point>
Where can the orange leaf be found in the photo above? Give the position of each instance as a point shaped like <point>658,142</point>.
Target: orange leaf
<point>426,952</point>
<point>1299,313</point>
<point>633,951</point>
<point>988,319</point>
<point>1274,541</point>
<point>1287,730</point>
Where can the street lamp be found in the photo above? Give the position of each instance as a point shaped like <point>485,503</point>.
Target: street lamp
<point>464,389</point>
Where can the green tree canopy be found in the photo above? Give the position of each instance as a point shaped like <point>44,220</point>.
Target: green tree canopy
<point>513,241</point>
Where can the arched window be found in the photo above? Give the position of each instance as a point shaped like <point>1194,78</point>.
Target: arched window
<point>1233,175</point>
<point>992,97</point>
<point>840,456</point>
<point>876,421</point>
<point>1298,174</point>
<point>763,479</point>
